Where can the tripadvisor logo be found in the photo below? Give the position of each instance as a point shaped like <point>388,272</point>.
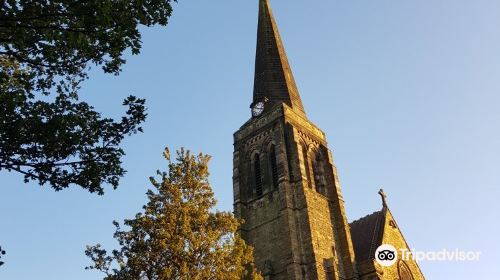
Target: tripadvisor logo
<point>386,255</point>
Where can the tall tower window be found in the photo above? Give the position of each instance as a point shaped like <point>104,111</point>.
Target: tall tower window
<point>319,180</point>
<point>306,165</point>
<point>328,267</point>
<point>274,166</point>
<point>258,175</point>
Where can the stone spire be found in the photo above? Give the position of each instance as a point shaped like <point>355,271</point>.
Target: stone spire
<point>274,80</point>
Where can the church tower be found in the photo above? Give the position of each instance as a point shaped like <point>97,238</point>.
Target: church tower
<point>285,182</point>
<point>287,191</point>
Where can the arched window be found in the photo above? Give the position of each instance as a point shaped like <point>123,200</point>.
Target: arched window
<point>328,267</point>
<point>319,174</point>
<point>404,271</point>
<point>306,165</point>
<point>274,166</point>
<point>258,175</point>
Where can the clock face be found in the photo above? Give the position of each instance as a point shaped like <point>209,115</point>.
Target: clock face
<point>257,109</point>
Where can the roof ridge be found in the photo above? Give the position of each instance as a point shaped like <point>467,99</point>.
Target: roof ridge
<point>366,216</point>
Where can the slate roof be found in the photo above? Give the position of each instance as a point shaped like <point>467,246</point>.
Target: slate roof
<point>367,234</point>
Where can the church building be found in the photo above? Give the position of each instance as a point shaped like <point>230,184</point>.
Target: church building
<point>287,191</point>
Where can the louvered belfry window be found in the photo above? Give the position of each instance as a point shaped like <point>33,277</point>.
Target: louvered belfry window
<point>306,165</point>
<point>274,167</point>
<point>258,175</point>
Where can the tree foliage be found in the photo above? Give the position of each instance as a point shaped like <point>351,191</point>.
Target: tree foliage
<point>177,236</point>
<point>47,48</point>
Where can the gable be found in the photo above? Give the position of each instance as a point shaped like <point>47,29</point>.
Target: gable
<point>403,269</point>
<point>368,233</point>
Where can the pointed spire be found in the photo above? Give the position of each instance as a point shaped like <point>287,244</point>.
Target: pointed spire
<point>274,80</point>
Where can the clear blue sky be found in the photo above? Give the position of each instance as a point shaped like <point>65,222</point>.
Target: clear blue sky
<point>406,91</point>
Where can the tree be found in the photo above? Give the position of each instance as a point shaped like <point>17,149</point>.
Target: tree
<point>46,51</point>
<point>177,236</point>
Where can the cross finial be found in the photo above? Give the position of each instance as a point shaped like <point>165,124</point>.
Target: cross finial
<point>384,197</point>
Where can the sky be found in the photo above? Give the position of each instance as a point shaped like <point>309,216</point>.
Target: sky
<point>407,93</point>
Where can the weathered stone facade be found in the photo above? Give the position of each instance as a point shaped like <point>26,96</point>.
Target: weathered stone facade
<point>297,226</point>
<point>286,187</point>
